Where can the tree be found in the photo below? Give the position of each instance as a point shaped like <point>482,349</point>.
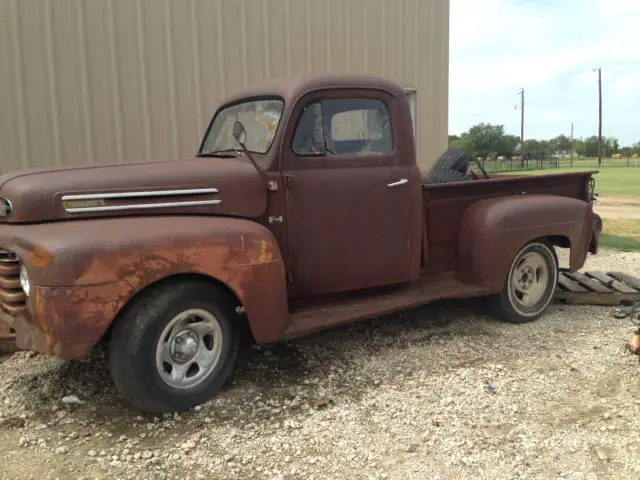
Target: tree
<point>461,143</point>
<point>510,143</point>
<point>626,151</point>
<point>579,147</point>
<point>561,143</point>
<point>486,138</point>
<point>591,146</point>
<point>609,146</point>
<point>537,148</point>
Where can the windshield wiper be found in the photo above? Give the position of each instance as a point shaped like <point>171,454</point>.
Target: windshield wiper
<point>222,153</point>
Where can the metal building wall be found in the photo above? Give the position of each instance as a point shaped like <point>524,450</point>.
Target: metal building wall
<point>105,81</point>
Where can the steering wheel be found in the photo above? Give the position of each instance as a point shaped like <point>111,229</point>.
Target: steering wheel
<point>484,172</point>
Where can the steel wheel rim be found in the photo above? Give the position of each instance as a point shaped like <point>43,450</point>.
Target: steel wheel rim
<point>528,282</point>
<point>189,349</point>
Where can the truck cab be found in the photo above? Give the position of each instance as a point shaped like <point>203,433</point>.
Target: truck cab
<point>303,209</point>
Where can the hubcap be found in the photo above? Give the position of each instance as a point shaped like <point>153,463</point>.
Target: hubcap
<point>529,281</point>
<point>189,348</point>
<point>184,346</point>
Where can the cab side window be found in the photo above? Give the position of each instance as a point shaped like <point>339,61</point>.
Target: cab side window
<point>344,127</point>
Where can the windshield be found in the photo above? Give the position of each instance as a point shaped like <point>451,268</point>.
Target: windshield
<point>260,119</point>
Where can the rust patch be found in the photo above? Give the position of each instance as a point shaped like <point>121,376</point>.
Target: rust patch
<point>39,257</point>
<point>68,321</point>
<point>265,252</point>
<point>104,264</point>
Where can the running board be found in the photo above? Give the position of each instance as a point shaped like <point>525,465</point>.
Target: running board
<point>327,312</point>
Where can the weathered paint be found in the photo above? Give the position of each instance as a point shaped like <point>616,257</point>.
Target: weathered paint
<point>240,189</point>
<point>39,257</point>
<point>330,242</point>
<point>494,230</point>
<point>99,266</point>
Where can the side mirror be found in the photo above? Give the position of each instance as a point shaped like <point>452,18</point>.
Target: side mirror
<point>239,133</point>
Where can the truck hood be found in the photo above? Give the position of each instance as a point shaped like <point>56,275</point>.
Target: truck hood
<point>205,186</point>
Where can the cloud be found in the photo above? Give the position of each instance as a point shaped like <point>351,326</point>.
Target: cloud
<point>548,48</point>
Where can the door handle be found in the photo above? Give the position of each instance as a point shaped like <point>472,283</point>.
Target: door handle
<point>402,181</point>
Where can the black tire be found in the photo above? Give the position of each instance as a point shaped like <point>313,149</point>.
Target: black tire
<point>437,176</point>
<point>508,305</point>
<point>452,159</point>
<point>135,350</point>
<point>597,222</point>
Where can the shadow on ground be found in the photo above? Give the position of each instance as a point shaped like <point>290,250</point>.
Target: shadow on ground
<point>292,374</point>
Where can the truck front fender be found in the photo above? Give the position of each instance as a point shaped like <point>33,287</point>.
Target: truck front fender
<point>84,272</point>
<point>494,230</point>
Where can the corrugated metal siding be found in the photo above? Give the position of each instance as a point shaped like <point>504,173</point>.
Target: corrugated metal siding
<point>103,81</point>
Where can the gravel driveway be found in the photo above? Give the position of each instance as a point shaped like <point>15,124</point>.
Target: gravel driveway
<point>441,392</point>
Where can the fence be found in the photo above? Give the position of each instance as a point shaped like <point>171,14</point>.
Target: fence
<point>507,165</point>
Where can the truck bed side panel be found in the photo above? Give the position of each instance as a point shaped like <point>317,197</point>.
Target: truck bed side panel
<point>446,204</point>
<point>494,230</point>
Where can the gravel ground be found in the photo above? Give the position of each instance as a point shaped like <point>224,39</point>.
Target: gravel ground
<point>440,392</point>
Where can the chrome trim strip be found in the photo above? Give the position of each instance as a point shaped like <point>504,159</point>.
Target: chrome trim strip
<point>146,193</point>
<point>114,208</point>
<point>402,181</point>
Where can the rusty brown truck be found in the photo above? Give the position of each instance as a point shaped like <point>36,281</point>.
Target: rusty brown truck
<point>304,209</point>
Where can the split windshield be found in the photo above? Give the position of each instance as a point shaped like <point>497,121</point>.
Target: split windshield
<point>260,119</point>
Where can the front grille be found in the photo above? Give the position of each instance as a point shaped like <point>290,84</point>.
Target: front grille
<point>12,298</point>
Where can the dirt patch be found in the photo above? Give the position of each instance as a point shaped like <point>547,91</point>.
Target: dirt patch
<point>620,214</point>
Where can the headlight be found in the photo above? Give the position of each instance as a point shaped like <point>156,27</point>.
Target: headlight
<point>6,209</point>
<point>24,280</point>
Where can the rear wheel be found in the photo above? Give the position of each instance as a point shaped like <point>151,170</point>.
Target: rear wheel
<point>174,347</point>
<point>530,284</point>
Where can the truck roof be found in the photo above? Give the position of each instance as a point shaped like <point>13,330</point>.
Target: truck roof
<point>291,88</point>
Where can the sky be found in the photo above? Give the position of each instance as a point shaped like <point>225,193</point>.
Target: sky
<point>549,48</point>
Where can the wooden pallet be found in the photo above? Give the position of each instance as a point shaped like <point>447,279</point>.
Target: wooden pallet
<point>596,288</point>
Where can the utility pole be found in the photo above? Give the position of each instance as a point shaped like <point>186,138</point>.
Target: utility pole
<point>522,128</point>
<point>599,115</point>
<point>571,144</point>
<point>572,136</point>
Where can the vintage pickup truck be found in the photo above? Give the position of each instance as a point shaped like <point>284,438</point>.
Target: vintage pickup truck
<point>304,209</point>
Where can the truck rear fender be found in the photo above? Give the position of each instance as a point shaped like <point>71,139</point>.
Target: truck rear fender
<point>492,231</point>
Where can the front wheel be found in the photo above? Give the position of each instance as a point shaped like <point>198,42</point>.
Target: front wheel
<point>174,347</point>
<point>530,284</point>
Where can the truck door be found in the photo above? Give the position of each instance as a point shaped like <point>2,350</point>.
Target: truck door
<point>350,196</point>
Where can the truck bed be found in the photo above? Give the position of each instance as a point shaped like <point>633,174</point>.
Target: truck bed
<point>444,205</point>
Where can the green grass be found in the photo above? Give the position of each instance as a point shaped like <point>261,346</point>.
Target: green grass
<point>609,181</point>
<point>616,242</point>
